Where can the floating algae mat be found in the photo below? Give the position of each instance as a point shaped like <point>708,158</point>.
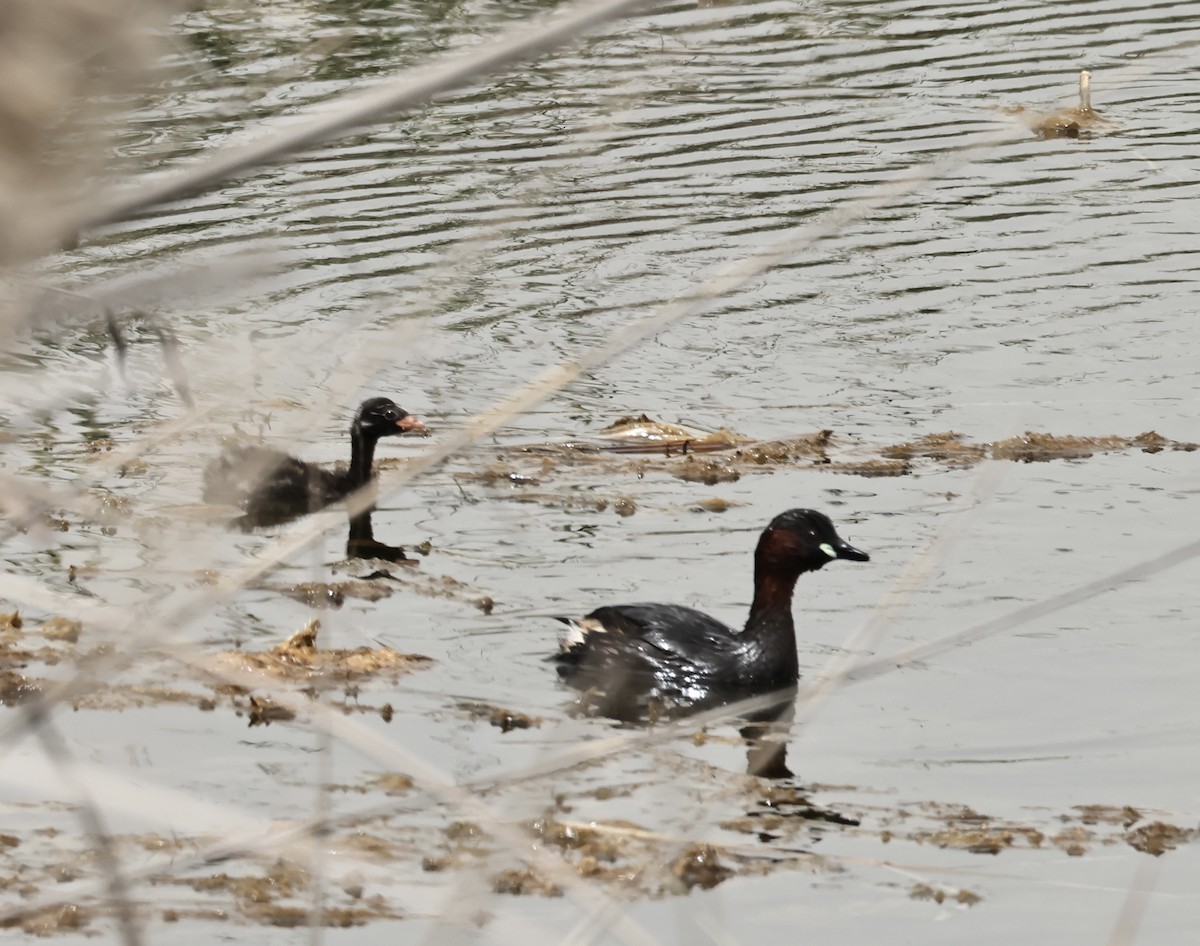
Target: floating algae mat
<point>646,446</point>
<point>296,661</point>
<point>760,828</point>
<point>300,660</point>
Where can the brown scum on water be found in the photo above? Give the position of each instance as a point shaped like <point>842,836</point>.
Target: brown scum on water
<point>298,660</point>
<point>639,446</point>
<point>505,720</point>
<point>776,831</point>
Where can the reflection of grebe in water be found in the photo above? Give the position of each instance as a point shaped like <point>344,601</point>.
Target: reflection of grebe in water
<point>361,541</point>
<point>766,733</point>
<point>1074,122</point>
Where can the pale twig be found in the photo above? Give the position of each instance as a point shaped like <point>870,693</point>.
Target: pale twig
<point>203,277</point>
<point>1030,612</point>
<point>24,502</point>
<point>1136,901</point>
<point>115,883</point>
<point>840,667</point>
<point>168,342</point>
<point>322,810</point>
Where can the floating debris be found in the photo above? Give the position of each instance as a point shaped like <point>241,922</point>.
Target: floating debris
<point>263,712</point>
<point>1125,815</point>
<point>524,882</point>
<point>1073,840</point>
<point>1037,447</point>
<point>963,828</point>
<point>279,897</point>
<point>16,689</point>
<point>947,447</point>
<point>787,801</point>
<point>392,783</point>
<point>503,719</point>
<point>739,456</point>
<point>625,507</point>
<point>118,696</point>
<point>707,471</point>
<point>699,866</point>
<point>789,450</point>
<point>498,475</point>
<point>631,430</point>
<point>869,468</point>
<point>67,918</point>
<point>1077,122</point>
<point>1031,447</point>
<point>1158,837</point>
<point>61,629</point>
<point>432,586</point>
<point>329,594</point>
<point>299,659</point>
<point>942,894</point>
<point>715,505</point>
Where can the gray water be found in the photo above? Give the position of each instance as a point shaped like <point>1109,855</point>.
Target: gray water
<point>1045,287</point>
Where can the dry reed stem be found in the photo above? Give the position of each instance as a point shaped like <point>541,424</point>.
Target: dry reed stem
<point>1137,899</point>
<point>840,667</point>
<point>61,61</point>
<point>1027,613</point>
<point>115,882</point>
<point>203,277</point>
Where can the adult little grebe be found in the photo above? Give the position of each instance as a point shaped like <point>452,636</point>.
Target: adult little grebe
<point>272,487</point>
<point>682,656</point>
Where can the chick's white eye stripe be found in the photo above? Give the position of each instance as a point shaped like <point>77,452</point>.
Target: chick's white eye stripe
<point>828,549</point>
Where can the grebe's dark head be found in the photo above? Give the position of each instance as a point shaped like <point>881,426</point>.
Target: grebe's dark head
<point>383,417</point>
<point>803,539</point>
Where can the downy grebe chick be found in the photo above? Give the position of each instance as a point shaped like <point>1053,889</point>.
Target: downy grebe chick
<point>272,487</point>
<point>681,656</point>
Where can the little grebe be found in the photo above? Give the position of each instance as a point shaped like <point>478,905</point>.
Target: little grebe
<point>682,656</point>
<point>272,487</point>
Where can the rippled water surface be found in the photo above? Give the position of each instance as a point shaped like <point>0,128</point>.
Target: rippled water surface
<point>453,254</point>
